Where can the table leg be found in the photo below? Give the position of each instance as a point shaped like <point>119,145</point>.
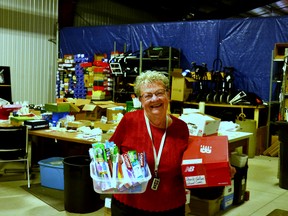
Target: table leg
<point>256,116</point>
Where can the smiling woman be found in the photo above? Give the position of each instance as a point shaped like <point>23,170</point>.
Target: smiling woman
<point>163,138</point>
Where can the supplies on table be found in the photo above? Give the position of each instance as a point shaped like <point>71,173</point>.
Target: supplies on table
<point>115,173</point>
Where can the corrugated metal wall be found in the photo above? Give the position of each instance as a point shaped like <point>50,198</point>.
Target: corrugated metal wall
<point>108,12</point>
<point>29,46</point>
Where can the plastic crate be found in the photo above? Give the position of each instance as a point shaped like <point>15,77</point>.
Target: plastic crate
<point>51,173</point>
<point>100,183</point>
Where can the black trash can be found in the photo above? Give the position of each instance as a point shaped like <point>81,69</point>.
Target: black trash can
<point>79,194</point>
<point>283,156</point>
<point>240,184</point>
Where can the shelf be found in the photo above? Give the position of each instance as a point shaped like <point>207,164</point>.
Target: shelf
<point>228,105</point>
<point>141,64</point>
<point>278,60</point>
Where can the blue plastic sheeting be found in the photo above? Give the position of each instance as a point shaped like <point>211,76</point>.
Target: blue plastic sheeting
<point>245,44</point>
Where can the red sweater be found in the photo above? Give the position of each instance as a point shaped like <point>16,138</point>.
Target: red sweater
<point>132,134</point>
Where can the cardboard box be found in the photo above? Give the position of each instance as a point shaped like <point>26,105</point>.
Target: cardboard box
<point>204,206</point>
<point>112,113</point>
<point>92,111</point>
<point>200,124</point>
<point>78,124</point>
<point>279,51</point>
<point>19,120</point>
<point>57,107</point>
<point>228,196</point>
<point>206,162</point>
<point>181,86</point>
<point>104,126</point>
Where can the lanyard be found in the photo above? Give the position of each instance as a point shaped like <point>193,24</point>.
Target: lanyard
<point>156,157</point>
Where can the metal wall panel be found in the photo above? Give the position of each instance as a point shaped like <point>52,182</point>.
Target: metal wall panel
<point>29,39</point>
<point>108,12</point>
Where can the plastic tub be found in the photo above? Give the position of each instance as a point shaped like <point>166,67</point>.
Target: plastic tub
<point>106,186</point>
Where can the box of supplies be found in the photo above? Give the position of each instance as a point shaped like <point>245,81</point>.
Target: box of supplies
<point>110,185</point>
<point>205,162</point>
<point>51,173</point>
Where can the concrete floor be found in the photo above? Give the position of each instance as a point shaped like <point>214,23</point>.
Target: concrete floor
<point>262,183</point>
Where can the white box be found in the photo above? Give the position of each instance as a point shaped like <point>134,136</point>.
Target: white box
<point>200,124</point>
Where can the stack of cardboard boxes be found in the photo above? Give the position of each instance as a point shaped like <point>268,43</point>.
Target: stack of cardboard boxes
<point>206,168</point>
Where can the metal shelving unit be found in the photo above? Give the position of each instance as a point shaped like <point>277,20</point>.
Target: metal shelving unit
<point>278,91</point>
<point>165,64</point>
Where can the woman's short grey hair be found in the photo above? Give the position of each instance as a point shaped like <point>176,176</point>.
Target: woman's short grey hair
<point>150,77</point>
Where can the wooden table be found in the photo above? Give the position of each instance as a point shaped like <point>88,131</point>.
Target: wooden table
<point>51,143</point>
<point>255,108</point>
<point>235,139</point>
<point>65,136</point>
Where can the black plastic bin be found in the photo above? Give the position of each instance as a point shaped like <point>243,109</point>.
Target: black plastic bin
<point>79,194</point>
<point>283,156</point>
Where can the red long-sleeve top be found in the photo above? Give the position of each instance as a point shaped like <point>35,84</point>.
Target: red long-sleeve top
<point>132,134</point>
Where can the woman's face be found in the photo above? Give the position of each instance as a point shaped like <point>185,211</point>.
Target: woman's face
<point>154,98</point>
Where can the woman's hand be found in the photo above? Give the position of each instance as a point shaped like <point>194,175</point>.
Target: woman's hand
<point>232,171</point>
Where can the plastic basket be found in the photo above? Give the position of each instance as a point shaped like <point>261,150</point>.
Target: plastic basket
<point>104,186</point>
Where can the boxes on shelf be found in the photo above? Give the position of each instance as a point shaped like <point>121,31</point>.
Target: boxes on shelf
<point>51,173</point>
<point>204,206</point>
<point>181,86</point>
<point>205,162</point>
<point>200,124</point>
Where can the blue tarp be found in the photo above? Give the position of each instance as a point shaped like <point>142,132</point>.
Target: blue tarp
<point>245,44</point>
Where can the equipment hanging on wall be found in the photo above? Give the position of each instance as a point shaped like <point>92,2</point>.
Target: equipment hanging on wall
<point>227,92</point>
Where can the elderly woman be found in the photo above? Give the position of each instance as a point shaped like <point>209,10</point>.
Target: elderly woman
<point>163,138</point>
